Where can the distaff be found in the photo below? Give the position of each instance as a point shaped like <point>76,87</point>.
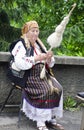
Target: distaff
<point>55,38</point>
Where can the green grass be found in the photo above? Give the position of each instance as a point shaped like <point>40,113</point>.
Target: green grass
<point>72,104</point>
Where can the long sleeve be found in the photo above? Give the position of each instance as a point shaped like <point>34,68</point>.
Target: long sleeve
<point>22,61</point>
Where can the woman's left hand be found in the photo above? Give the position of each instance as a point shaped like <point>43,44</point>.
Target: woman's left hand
<point>49,56</point>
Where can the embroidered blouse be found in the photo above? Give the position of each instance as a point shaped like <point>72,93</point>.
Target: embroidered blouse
<point>24,62</point>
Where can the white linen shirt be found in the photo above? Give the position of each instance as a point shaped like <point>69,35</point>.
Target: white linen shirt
<point>24,62</point>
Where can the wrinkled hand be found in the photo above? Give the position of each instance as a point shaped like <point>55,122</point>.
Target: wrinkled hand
<point>40,57</point>
<point>44,56</point>
<point>49,54</point>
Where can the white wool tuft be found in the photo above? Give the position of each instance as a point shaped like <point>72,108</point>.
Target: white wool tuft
<point>55,39</point>
<point>42,74</point>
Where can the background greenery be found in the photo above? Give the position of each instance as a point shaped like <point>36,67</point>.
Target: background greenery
<point>48,14</point>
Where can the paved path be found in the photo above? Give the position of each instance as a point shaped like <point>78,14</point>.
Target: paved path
<point>9,121</point>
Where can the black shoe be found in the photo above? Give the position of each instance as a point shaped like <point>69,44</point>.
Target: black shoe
<point>54,126</point>
<point>80,95</point>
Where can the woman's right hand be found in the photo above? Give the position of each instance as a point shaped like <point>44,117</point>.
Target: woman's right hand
<point>40,57</point>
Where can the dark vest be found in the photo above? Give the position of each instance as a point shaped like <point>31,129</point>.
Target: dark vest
<point>29,52</point>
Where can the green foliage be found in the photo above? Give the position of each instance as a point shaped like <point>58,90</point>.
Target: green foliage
<point>73,42</point>
<point>70,104</point>
<point>3,45</point>
<point>49,14</point>
<point>82,105</point>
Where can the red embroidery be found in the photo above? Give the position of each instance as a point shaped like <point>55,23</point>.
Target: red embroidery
<point>28,60</point>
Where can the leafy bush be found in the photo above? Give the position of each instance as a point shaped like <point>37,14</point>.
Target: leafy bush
<point>70,104</point>
<point>48,17</point>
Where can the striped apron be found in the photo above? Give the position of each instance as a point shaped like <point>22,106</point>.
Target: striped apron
<point>38,91</point>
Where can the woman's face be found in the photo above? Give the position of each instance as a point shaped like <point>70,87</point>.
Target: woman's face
<point>32,34</point>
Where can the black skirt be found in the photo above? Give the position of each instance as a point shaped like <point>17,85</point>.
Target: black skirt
<point>38,91</point>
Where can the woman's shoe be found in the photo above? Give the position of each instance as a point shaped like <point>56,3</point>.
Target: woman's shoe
<point>80,95</point>
<point>42,128</point>
<point>54,126</point>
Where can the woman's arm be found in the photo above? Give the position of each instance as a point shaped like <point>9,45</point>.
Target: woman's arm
<point>22,61</point>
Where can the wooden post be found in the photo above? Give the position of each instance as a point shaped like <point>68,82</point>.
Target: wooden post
<point>80,100</point>
<point>82,121</point>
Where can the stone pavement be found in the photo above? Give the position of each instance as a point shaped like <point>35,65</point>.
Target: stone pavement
<point>9,121</point>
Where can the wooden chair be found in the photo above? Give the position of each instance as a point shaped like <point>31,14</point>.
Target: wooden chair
<point>14,86</point>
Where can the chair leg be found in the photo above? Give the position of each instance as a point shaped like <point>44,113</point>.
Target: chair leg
<point>19,116</point>
<point>5,102</point>
<point>3,105</point>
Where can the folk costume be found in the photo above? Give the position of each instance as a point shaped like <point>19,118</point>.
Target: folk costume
<point>40,102</point>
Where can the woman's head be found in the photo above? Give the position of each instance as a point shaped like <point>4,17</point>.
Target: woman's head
<point>28,26</point>
<point>30,31</point>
